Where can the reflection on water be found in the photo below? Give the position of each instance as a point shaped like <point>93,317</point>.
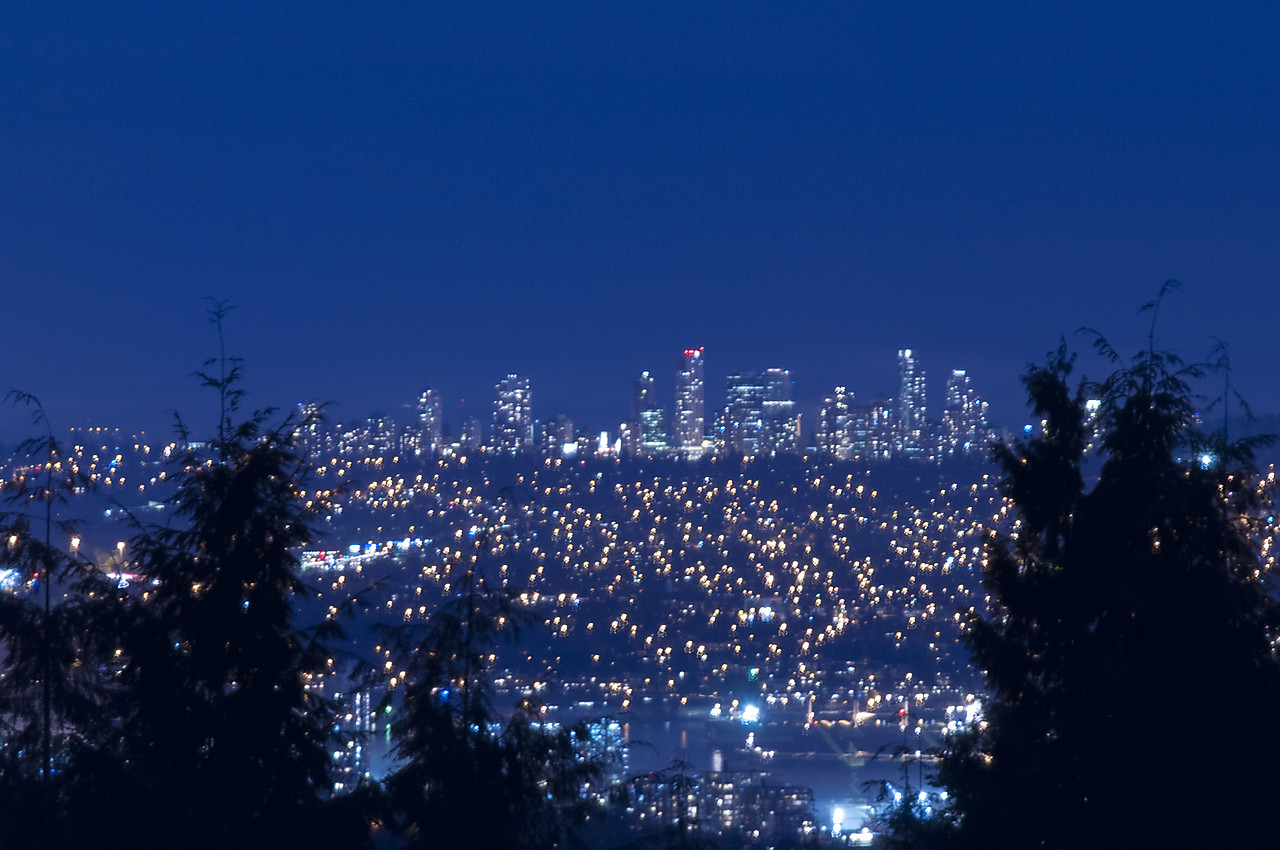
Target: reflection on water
<point>843,763</point>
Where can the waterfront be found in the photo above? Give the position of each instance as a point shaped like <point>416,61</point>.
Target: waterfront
<point>842,762</point>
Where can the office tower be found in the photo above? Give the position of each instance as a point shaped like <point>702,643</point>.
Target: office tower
<point>654,439</point>
<point>512,415</point>
<point>964,417</point>
<point>380,436</point>
<point>559,437</point>
<point>642,395</point>
<point>309,431</point>
<point>759,415</point>
<point>650,428</point>
<point>430,436</point>
<point>911,407</point>
<point>717,440</point>
<point>835,427</point>
<point>470,435</point>
<point>689,425</point>
<point>779,423</point>
<point>743,413</point>
<point>354,725</point>
<point>629,439</point>
<point>873,430</point>
<point>953,424</point>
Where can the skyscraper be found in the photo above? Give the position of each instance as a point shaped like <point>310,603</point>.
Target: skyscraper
<point>873,430</point>
<point>513,415</point>
<point>964,417</point>
<point>759,413</point>
<point>309,429</point>
<point>912,424</point>
<point>653,432</point>
<point>744,413</point>
<point>381,435</point>
<point>559,437</point>
<point>648,416</point>
<point>641,395</point>
<point>430,436</point>
<point>689,425</point>
<point>779,430</point>
<point>835,427</point>
<point>629,439</point>
<point>470,436</point>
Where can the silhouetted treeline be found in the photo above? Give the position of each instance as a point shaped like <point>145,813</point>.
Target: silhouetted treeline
<point>1130,654</point>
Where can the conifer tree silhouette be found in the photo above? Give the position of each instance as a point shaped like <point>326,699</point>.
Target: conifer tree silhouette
<point>225,733</point>
<point>51,656</point>
<point>1132,628</point>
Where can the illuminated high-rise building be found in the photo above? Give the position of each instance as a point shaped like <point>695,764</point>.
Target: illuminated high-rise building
<point>759,415</point>
<point>512,415</point>
<point>743,413</point>
<point>309,430</point>
<point>653,432</point>
<point>964,417</point>
<point>354,726</point>
<point>834,432</point>
<point>873,430</point>
<point>913,427</point>
<point>430,432</point>
<point>642,395</point>
<point>559,437</point>
<point>689,425</point>
<point>629,438</point>
<point>381,435</point>
<point>648,417</point>
<point>780,428</point>
<point>470,434</point>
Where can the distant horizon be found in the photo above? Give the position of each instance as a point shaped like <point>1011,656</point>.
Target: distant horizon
<point>15,420</point>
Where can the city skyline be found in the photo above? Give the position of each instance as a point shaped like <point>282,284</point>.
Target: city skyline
<point>754,414</point>
<point>758,418</point>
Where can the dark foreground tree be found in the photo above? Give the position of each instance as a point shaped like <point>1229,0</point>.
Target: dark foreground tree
<point>223,729</point>
<point>52,656</point>
<point>470,775</point>
<point>1129,654</point>
<point>226,732</point>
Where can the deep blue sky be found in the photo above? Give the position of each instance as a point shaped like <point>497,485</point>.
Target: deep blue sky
<point>395,194</point>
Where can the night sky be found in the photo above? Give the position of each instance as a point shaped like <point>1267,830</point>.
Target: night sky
<point>397,194</point>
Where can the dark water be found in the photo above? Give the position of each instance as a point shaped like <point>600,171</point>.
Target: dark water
<point>841,762</point>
